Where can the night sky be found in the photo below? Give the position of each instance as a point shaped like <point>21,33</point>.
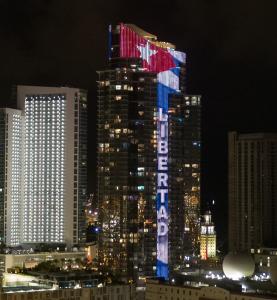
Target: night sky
<point>232,62</point>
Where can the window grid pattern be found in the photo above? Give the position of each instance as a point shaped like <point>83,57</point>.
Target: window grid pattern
<point>16,179</point>
<point>43,212</point>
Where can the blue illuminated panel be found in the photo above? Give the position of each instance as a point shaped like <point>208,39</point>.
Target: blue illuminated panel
<point>162,182</point>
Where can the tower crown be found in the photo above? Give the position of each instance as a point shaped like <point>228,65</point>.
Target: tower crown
<point>208,217</point>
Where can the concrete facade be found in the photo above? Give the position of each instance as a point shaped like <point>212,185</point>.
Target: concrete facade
<point>156,291</point>
<point>55,164</point>
<point>11,164</point>
<point>252,191</point>
<point>112,292</point>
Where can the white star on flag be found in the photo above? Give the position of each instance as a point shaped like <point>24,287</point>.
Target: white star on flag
<point>146,52</point>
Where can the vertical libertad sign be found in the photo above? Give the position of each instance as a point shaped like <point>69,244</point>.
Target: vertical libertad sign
<point>162,59</point>
<point>162,194</point>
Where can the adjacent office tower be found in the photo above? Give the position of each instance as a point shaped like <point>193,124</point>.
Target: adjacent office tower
<point>141,121</point>
<point>55,164</point>
<point>11,157</point>
<point>252,191</point>
<point>207,238</point>
<point>191,156</point>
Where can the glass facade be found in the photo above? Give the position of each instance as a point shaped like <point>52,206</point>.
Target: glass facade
<point>191,172</point>
<point>80,128</point>
<point>126,170</point>
<point>128,162</point>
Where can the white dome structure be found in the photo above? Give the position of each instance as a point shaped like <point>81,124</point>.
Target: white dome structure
<point>273,270</point>
<point>238,265</point>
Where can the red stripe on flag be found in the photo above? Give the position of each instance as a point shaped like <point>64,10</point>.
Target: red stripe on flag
<point>159,58</point>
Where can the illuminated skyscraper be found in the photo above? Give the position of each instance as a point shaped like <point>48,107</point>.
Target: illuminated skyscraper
<point>11,159</point>
<point>207,238</point>
<point>55,164</point>
<point>252,191</point>
<point>141,119</point>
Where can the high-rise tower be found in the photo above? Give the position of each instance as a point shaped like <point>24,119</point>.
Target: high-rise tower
<point>252,191</point>
<point>192,168</point>
<point>55,164</point>
<point>11,163</point>
<point>141,119</point>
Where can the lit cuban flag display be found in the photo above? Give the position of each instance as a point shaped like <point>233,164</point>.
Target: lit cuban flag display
<point>164,61</point>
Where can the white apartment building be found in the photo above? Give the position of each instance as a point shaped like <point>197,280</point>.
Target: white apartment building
<point>55,164</point>
<point>11,155</point>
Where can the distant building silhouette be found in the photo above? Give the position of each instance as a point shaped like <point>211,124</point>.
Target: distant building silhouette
<point>252,191</point>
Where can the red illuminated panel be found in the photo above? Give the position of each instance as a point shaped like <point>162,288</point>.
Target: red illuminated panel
<point>154,58</point>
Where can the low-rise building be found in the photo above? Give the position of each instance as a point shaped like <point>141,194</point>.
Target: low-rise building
<point>116,292</point>
<point>164,291</point>
<point>263,258</point>
<point>30,260</point>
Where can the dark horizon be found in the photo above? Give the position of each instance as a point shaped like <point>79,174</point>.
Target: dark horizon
<point>231,62</point>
